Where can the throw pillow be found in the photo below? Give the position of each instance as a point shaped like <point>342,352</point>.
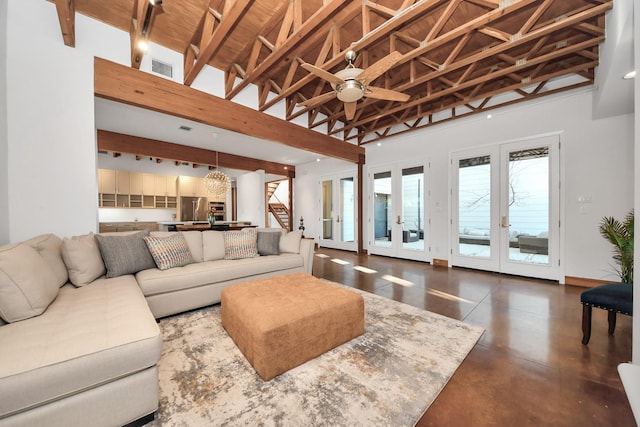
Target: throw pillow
<point>82,257</point>
<point>125,254</point>
<point>168,252</point>
<point>269,243</point>
<point>240,244</point>
<point>28,283</point>
<point>50,247</point>
<point>290,243</point>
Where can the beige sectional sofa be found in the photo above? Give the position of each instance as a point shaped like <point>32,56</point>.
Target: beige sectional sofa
<point>82,350</point>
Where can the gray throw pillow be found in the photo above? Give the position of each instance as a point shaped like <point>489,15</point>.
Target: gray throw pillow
<point>269,243</point>
<point>125,254</point>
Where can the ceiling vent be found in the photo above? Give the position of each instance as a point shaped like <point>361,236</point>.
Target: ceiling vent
<point>185,128</point>
<point>162,68</point>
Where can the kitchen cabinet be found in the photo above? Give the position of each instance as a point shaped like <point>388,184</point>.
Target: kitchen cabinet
<point>160,185</point>
<point>123,182</point>
<point>107,181</point>
<point>135,183</point>
<point>191,186</point>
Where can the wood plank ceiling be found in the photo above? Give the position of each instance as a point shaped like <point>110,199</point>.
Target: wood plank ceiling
<point>458,57</point>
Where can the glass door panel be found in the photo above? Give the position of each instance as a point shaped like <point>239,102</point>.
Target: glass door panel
<point>327,210</point>
<point>338,207</point>
<point>413,208</point>
<point>347,216</point>
<point>528,205</point>
<point>474,207</point>
<point>382,209</point>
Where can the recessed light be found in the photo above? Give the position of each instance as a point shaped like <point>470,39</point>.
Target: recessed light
<point>630,75</point>
<point>318,159</point>
<point>489,116</point>
<point>143,46</point>
<point>286,168</point>
<point>379,144</point>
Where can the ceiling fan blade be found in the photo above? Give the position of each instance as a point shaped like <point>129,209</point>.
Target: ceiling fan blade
<point>331,78</point>
<point>350,110</point>
<point>375,70</point>
<point>388,94</point>
<point>317,100</point>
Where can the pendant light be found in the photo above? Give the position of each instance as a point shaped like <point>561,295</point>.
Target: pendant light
<point>217,182</point>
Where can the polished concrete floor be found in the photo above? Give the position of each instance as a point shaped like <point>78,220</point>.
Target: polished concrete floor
<point>529,367</point>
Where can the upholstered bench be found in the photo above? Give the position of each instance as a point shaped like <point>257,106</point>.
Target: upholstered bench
<point>281,322</point>
<point>615,298</point>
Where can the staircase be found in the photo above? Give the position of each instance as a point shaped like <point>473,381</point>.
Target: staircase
<point>279,210</point>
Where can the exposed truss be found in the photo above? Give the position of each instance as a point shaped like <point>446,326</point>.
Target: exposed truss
<point>459,57</point>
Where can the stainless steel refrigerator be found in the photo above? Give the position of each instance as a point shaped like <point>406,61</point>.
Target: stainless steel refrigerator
<point>194,209</point>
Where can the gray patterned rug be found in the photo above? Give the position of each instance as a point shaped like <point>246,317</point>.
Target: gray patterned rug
<point>388,376</point>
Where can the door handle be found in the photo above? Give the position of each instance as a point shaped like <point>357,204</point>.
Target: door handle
<point>398,221</point>
<point>504,223</point>
<point>338,220</point>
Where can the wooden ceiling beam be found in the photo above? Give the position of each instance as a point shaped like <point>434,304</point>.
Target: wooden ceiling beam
<point>483,79</point>
<point>162,150</point>
<point>141,22</point>
<point>525,38</point>
<point>514,87</point>
<point>401,17</point>
<point>67,16</point>
<point>233,12</point>
<point>130,86</point>
<point>288,44</point>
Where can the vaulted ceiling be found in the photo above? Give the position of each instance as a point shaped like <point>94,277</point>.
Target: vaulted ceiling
<point>456,57</point>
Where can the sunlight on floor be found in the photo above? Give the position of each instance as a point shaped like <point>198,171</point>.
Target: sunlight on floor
<point>397,280</point>
<point>365,269</point>
<point>322,256</point>
<point>448,296</point>
<point>340,261</point>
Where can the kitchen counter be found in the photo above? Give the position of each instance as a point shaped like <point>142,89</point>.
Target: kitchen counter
<point>201,225</point>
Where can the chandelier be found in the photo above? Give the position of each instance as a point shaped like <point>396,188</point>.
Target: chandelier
<point>217,182</point>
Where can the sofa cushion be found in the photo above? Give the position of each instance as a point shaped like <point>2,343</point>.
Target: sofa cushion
<point>82,257</point>
<point>28,284</point>
<point>290,242</point>
<point>87,337</point>
<point>125,254</point>
<point>193,238</point>
<point>240,244</point>
<point>269,243</point>
<point>168,252</point>
<point>154,281</point>
<point>212,245</point>
<point>50,247</point>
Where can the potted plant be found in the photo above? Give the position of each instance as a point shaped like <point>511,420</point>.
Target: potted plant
<point>620,235</point>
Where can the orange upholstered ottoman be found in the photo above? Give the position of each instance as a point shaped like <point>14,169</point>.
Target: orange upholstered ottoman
<point>281,322</point>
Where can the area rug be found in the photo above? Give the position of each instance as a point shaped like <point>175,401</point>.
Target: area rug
<point>388,376</point>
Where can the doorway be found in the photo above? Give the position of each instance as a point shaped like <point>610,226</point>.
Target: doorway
<point>505,208</point>
<point>398,202</point>
<point>338,221</point>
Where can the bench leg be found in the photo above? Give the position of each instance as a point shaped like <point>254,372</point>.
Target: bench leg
<point>612,322</point>
<point>586,323</point>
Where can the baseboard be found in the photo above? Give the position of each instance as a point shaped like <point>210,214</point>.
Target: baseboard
<point>584,282</point>
<point>440,263</point>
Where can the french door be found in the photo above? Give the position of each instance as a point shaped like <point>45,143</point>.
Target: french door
<point>397,202</point>
<point>505,208</point>
<point>338,200</point>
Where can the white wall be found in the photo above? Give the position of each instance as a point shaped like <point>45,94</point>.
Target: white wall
<point>251,197</point>
<point>4,175</point>
<point>51,137</point>
<point>596,156</point>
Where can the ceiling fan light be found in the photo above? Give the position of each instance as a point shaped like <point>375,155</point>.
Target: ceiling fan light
<point>350,91</point>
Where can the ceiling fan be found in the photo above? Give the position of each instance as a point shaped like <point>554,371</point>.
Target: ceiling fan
<point>352,84</point>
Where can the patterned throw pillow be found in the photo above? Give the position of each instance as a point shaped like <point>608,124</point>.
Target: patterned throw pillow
<point>170,251</point>
<point>241,244</point>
